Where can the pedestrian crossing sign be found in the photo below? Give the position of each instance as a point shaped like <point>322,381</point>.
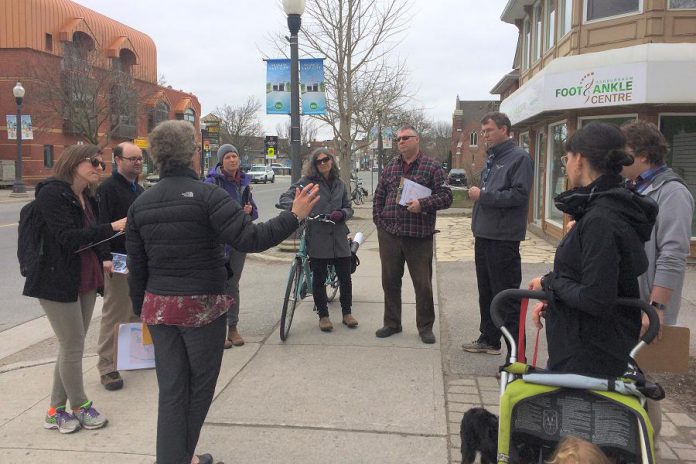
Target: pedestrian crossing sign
<point>270,153</point>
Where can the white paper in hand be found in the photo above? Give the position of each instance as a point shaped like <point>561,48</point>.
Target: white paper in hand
<point>119,260</point>
<point>412,191</point>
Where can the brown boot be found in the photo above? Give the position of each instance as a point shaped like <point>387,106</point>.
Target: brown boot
<point>233,338</point>
<point>350,321</point>
<point>325,324</point>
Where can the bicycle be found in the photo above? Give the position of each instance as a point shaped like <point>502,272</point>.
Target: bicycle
<point>358,191</point>
<point>300,279</point>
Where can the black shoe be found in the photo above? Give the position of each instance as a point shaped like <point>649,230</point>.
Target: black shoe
<point>387,331</point>
<point>112,381</point>
<point>428,337</point>
<point>205,458</point>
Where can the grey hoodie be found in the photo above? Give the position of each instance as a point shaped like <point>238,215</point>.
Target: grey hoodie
<point>668,246</point>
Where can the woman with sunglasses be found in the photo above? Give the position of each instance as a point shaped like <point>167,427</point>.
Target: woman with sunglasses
<point>328,243</point>
<point>598,261</point>
<point>69,276</point>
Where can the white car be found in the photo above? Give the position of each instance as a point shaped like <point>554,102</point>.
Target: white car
<point>261,173</point>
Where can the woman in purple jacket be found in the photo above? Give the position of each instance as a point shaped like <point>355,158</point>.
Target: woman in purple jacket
<point>226,174</point>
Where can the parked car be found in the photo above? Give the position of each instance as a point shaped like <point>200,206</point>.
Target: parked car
<point>281,169</point>
<point>457,177</point>
<point>261,173</point>
<point>150,180</point>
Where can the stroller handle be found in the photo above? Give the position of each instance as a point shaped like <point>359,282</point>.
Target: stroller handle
<point>518,294</point>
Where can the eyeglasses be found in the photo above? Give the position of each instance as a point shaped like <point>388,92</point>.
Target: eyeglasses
<point>134,159</point>
<point>96,163</point>
<point>405,137</point>
<point>564,160</point>
<point>322,161</point>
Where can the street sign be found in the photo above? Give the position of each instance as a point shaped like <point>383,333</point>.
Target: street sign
<point>271,144</point>
<point>270,153</point>
<point>141,142</point>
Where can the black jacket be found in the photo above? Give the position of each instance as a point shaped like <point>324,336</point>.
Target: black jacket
<point>175,234</point>
<point>115,195</point>
<point>58,278</point>
<point>598,261</point>
<point>501,211</point>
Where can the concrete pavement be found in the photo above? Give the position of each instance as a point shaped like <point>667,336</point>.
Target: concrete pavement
<point>340,397</point>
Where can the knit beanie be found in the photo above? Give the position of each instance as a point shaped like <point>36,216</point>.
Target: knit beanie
<point>225,149</point>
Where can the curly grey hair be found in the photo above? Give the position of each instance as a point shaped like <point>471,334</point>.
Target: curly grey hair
<point>173,144</point>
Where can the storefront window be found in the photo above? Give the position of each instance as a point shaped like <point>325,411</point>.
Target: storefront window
<point>558,134</point>
<point>539,150</point>
<point>601,9</point>
<point>618,120</point>
<point>682,4</point>
<point>680,132</point>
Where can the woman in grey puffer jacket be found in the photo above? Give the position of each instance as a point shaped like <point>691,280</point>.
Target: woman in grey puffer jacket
<point>328,243</point>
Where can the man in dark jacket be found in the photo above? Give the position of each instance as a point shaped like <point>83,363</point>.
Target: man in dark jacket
<point>499,223</point>
<point>115,195</point>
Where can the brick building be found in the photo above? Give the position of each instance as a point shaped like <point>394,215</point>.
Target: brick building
<point>468,152</point>
<point>88,78</point>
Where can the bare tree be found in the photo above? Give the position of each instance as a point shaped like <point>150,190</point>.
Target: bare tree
<point>356,37</point>
<point>440,136</point>
<point>88,96</point>
<point>239,124</point>
<point>308,133</point>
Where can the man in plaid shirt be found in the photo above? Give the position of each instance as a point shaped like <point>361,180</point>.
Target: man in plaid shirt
<point>405,232</point>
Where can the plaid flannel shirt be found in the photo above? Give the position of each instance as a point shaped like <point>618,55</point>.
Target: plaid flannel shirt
<point>394,218</point>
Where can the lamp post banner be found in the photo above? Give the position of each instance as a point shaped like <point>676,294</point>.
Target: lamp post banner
<point>278,86</point>
<point>312,86</point>
<point>27,131</point>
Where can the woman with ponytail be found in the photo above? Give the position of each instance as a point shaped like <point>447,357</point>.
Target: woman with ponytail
<point>598,261</point>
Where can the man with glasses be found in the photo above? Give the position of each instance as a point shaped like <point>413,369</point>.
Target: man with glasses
<point>499,223</point>
<point>115,195</point>
<point>405,232</point>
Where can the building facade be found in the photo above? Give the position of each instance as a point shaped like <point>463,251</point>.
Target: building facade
<point>599,60</point>
<point>88,79</point>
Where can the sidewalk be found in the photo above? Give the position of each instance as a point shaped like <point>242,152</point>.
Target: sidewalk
<point>340,397</point>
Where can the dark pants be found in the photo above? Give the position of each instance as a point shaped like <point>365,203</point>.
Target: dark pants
<point>418,254</point>
<point>187,362</point>
<point>498,267</point>
<point>345,283</point>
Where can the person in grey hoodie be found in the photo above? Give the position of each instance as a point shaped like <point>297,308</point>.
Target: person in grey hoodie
<point>669,243</point>
<point>499,223</point>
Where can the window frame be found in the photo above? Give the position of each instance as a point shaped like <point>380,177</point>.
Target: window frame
<point>526,43</point>
<point>473,137</point>
<point>550,26</point>
<point>549,170</point>
<point>581,119</point>
<point>48,156</point>
<point>670,7</point>
<point>537,32</point>
<point>566,8</point>
<point>641,5</point>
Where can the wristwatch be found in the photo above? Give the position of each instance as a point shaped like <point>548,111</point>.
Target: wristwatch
<point>657,305</point>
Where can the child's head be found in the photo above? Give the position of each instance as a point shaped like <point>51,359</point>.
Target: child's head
<point>573,450</point>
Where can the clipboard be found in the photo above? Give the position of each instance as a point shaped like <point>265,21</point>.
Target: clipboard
<point>670,354</point>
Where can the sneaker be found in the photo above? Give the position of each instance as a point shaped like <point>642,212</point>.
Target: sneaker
<point>89,417</point>
<point>325,324</point>
<point>62,420</point>
<point>480,346</point>
<point>112,381</point>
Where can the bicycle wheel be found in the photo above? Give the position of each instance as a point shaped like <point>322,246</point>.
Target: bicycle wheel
<point>359,198</point>
<point>292,294</point>
<point>331,284</point>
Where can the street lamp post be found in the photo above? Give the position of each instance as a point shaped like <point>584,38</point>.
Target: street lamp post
<point>18,186</point>
<point>294,10</point>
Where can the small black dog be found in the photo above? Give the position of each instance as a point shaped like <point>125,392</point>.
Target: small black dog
<point>479,434</point>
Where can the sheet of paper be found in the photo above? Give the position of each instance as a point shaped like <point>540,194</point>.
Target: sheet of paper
<point>132,352</point>
<point>412,191</point>
<point>119,260</point>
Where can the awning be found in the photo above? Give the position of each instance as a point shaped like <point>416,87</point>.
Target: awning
<point>114,49</point>
<point>643,74</point>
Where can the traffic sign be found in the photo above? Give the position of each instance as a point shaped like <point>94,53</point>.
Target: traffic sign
<point>270,153</point>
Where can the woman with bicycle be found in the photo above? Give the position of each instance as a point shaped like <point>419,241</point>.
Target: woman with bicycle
<point>327,242</point>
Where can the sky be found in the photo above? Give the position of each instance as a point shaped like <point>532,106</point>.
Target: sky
<point>214,49</point>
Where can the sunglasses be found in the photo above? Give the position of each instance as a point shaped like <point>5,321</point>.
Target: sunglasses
<point>134,159</point>
<point>96,163</point>
<point>404,138</point>
<point>322,161</point>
